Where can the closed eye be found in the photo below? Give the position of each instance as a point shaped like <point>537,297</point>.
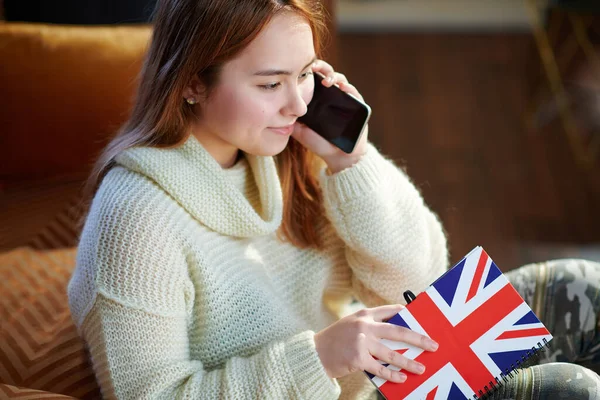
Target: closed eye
<point>270,86</point>
<point>306,74</point>
<point>275,85</point>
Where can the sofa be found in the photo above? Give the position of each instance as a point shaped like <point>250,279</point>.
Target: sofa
<point>65,90</point>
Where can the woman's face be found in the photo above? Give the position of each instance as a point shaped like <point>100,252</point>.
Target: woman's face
<point>260,94</point>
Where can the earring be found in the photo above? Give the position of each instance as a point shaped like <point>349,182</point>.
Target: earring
<point>191,101</point>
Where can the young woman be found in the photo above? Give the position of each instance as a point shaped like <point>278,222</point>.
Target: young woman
<point>224,238</point>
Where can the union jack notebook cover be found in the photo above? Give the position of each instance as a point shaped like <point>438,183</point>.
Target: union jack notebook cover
<point>484,328</point>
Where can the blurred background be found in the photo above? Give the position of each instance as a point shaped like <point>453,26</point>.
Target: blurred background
<point>492,106</point>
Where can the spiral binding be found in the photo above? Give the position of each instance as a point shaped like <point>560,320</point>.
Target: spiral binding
<point>505,376</point>
<point>514,369</point>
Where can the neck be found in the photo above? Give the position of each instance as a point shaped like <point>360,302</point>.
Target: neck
<point>224,153</point>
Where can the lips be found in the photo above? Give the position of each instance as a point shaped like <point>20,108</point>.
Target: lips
<point>283,130</point>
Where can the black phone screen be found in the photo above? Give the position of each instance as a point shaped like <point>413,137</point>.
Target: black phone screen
<point>335,115</point>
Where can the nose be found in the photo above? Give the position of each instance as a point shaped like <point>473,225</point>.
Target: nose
<point>295,104</point>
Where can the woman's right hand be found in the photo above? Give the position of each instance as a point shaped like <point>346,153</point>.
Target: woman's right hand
<point>350,344</point>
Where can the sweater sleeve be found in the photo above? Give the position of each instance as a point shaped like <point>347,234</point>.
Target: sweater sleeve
<point>132,299</point>
<point>393,241</point>
<point>139,354</point>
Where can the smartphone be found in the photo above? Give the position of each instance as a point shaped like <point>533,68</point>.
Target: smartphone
<point>336,115</point>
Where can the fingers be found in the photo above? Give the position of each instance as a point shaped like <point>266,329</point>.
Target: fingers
<point>384,372</point>
<point>335,78</point>
<point>349,88</point>
<point>331,77</point>
<point>383,313</point>
<point>326,70</point>
<point>389,356</point>
<point>339,78</point>
<point>402,334</point>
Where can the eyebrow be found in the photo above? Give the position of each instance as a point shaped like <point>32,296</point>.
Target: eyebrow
<point>272,72</point>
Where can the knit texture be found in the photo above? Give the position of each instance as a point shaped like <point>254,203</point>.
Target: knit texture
<point>183,290</point>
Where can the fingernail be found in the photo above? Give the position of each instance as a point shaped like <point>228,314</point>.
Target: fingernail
<point>420,368</point>
<point>433,345</point>
<point>329,79</point>
<point>401,377</point>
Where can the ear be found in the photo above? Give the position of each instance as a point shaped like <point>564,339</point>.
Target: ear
<point>194,91</point>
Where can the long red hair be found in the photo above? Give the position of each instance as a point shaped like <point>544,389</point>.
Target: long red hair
<point>197,37</point>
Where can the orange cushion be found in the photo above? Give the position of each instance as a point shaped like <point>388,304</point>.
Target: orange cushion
<point>39,345</point>
<point>66,89</point>
<point>12,392</point>
<point>44,215</point>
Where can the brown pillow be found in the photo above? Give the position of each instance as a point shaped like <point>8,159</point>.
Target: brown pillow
<point>65,91</point>
<point>44,215</point>
<point>13,392</point>
<point>39,345</point>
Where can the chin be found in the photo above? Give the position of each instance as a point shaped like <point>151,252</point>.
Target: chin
<point>270,148</point>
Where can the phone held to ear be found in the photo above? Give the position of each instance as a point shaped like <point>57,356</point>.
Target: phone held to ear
<point>336,115</point>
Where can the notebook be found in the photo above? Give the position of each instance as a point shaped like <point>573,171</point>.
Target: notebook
<point>484,328</point>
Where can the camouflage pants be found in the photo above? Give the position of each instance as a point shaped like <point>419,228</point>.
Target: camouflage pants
<point>565,295</point>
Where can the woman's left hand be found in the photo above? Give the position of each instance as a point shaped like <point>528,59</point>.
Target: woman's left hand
<point>335,158</point>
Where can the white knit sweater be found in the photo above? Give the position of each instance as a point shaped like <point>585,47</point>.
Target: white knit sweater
<point>182,289</point>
